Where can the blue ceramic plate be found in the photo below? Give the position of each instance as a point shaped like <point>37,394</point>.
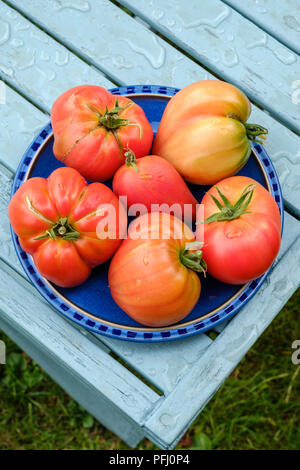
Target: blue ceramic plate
<point>91,305</point>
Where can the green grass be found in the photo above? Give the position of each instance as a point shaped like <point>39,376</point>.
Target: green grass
<point>258,407</point>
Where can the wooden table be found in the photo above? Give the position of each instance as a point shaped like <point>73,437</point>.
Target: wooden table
<point>48,46</point>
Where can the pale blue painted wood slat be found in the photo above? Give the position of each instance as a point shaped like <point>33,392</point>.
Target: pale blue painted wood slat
<point>18,117</point>
<point>172,368</point>
<point>130,53</point>
<point>165,359</point>
<point>164,365</point>
<point>101,384</point>
<point>231,46</point>
<point>37,65</point>
<point>41,46</point>
<point>277,17</point>
<point>50,341</point>
<point>192,394</point>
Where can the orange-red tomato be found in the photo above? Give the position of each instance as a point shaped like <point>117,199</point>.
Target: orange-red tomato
<point>92,128</point>
<point>57,220</point>
<point>152,276</point>
<point>152,180</point>
<point>241,240</point>
<point>203,131</point>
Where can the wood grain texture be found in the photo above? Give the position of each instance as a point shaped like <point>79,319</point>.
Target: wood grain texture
<point>131,53</point>
<point>37,65</point>
<point>20,121</point>
<point>190,371</point>
<point>181,407</point>
<point>163,364</point>
<point>277,17</point>
<point>7,251</point>
<point>231,46</point>
<point>70,353</point>
<point>168,366</point>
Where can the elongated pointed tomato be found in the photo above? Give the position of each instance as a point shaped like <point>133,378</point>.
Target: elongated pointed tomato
<point>154,183</point>
<point>203,131</point>
<point>92,128</point>
<point>242,230</point>
<point>152,275</point>
<point>64,224</point>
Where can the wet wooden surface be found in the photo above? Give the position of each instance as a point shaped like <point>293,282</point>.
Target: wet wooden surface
<point>48,46</point>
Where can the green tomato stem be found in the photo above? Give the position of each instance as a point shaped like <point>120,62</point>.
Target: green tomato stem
<point>192,259</point>
<point>61,229</point>
<point>111,119</point>
<point>228,211</point>
<point>253,130</point>
<point>130,159</point>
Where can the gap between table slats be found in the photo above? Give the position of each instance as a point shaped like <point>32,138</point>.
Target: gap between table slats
<point>165,369</point>
<point>177,70</point>
<point>46,334</point>
<point>5,231</point>
<point>279,18</point>
<point>230,46</point>
<point>135,356</point>
<point>167,423</point>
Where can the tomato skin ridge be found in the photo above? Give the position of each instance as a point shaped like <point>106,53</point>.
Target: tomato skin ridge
<point>145,274</point>
<point>200,126</point>
<point>86,118</point>
<point>60,194</point>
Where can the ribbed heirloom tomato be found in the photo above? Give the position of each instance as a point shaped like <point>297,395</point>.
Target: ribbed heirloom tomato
<point>152,275</point>
<point>242,230</point>
<point>61,222</point>
<point>203,131</point>
<point>92,128</point>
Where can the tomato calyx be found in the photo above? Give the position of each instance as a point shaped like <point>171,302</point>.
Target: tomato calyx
<point>253,130</point>
<point>130,159</point>
<point>191,257</point>
<point>228,211</point>
<point>61,229</point>
<point>111,119</point>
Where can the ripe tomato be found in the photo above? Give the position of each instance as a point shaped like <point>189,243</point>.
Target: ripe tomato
<point>152,276</point>
<point>241,231</point>
<point>92,127</point>
<point>203,131</point>
<point>57,220</point>
<point>153,180</point>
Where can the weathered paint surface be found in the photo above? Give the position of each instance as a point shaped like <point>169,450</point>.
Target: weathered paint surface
<point>39,67</point>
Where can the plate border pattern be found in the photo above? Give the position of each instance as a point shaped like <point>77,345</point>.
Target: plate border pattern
<point>123,332</point>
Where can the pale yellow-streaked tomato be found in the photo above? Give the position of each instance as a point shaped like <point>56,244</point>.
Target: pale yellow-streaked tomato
<point>203,131</point>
